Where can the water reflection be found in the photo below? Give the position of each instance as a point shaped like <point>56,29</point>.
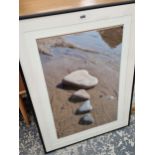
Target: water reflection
<point>113,37</point>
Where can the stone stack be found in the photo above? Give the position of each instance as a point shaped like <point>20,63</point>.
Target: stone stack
<point>83,80</point>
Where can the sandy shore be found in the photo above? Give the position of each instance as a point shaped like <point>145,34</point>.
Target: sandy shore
<point>62,55</point>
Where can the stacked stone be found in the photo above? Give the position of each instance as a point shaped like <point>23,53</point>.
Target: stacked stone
<point>83,80</point>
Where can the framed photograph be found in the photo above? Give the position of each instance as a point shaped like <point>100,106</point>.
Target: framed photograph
<point>79,70</point>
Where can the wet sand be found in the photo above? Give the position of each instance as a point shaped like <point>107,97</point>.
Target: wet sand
<point>62,55</point>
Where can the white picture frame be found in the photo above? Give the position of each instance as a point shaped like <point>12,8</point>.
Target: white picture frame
<point>48,26</point>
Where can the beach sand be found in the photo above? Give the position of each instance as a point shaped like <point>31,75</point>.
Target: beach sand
<point>88,50</point>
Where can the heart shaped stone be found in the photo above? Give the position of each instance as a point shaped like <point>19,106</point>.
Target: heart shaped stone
<point>80,79</point>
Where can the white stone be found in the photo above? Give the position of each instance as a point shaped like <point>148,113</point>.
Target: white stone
<point>110,97</point>
<point>81,79</point>
<point>81,94</point>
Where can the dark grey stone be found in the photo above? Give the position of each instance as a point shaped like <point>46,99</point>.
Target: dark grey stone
<point>87,119</point>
